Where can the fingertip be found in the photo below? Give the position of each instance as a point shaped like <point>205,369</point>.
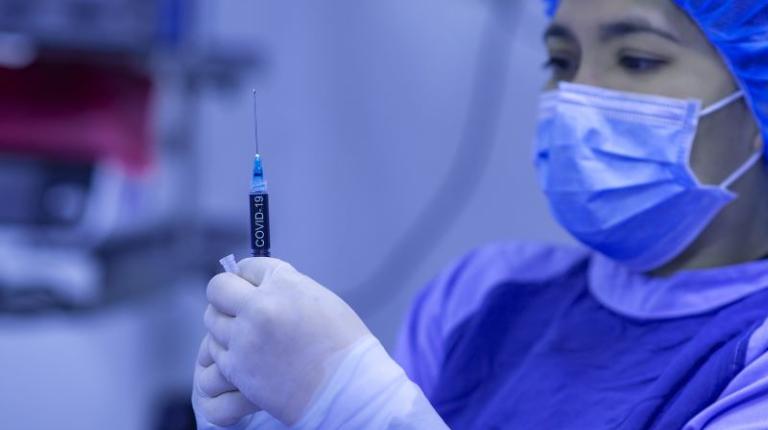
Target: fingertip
<point>257,269</point>
<point>208,317</point>
<point>214,282</point>
<point>204,357</point>
<point>228,409</point>
<point>219,355</point>
<point>219,325</point>
<point>227,292</point>
<point>211,382</point>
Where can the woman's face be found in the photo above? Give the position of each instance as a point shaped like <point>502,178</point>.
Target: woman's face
<point>653,47</point>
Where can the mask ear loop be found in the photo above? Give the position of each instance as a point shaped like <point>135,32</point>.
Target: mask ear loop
<point>742,170</point>
<point>752,160</point>
<point>722,103</point>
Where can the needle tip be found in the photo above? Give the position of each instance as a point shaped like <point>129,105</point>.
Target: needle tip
<point>255,122</point>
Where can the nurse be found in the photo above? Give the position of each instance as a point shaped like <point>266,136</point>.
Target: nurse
<point>650,151</point>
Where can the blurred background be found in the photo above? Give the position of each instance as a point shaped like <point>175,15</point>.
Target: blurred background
<point>395,135</point>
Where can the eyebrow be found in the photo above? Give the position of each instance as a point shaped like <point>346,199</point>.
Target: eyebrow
<point>630,27</point>
<point>560,31</point>
<point>613,30</point>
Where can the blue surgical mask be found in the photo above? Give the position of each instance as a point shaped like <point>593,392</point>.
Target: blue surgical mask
<point>615,168</point>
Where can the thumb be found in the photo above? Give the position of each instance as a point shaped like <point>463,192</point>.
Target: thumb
<point>258,270</point>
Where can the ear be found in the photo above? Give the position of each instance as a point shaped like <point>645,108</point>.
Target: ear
<point>759,142</point>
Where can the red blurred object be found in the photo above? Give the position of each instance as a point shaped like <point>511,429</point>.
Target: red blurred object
<point>76,112</point>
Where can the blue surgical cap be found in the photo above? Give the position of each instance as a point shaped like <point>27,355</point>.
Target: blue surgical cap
<point>738,29</point>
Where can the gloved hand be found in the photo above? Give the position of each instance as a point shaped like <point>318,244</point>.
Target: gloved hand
<point>274,334</point>
<point>214,399</point>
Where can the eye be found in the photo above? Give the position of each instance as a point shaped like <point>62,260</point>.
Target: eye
<point>556,63</point>
<point>641,64</point>
<point>559,66</point>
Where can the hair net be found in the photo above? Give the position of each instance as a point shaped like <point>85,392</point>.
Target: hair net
<point>739,31</point>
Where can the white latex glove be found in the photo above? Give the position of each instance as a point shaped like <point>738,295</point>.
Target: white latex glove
<point>216,402</point>
<point>273,333</point>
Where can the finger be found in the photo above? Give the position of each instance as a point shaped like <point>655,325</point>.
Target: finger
<point>220,356</point>
<point>219,325</point>
<point>227,409</point>
<point>228,292</point>
<point>258,270</point>
<point>204,357</point>
<point>212,383</point>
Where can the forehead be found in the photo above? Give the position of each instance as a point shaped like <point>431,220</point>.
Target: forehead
<point>584,9</point>
<point>584,16</point>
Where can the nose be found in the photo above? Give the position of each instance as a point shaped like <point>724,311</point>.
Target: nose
<point>588,75</point>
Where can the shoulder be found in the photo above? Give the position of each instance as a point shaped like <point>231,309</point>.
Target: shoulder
<point>743,402</point>
<point>463,286</point>
<point>520,261</point>
<point>459,292</point>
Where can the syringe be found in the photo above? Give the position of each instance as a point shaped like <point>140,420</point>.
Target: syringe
<point>259,200</point>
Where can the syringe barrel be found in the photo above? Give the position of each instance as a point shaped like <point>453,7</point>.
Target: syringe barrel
<point>260,240</point>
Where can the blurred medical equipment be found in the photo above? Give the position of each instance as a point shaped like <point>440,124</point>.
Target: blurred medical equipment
<point>258,199</point>
<point>99,104</point>
<point>74,138</point>
<point>97,157</point>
